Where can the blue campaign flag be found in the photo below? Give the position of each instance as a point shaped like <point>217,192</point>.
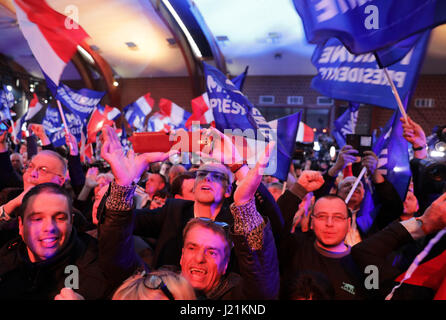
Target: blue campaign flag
<point>52,122</point>
<point>6,103</point>
<point>390,55</point>
<point>368,25</point>
<point>344,76</point>
<point>346,124</point>
<point>81,102</point>
<point>233,111</point>
<point>393,162</point>
<point>239,81</point>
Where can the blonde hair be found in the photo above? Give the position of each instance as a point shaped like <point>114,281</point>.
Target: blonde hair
<point>134,288</point>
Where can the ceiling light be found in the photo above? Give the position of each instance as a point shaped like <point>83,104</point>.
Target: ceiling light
<point>186,32</point>
<point>131,45</point>
<point>8,87</point>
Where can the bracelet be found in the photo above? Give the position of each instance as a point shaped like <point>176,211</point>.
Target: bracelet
<point>418,148</point>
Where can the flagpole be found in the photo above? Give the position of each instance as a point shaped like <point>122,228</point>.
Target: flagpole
<point>63,120</point>
<point>364,169</point>
<point>396,95</point>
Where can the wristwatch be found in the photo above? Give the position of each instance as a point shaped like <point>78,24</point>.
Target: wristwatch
<point>421,224</point>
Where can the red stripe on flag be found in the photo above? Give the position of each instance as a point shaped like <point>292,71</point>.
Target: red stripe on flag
<point>52,25</point>
<point>165,107</point>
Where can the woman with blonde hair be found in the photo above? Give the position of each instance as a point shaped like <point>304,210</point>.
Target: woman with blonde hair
<point>156,285</point>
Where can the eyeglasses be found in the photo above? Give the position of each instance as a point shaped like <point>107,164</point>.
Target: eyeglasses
<point>213,175</point>
<point>221,224</point>
<point>324,218</point>
<point>42,170</point>
<point>155,282</point>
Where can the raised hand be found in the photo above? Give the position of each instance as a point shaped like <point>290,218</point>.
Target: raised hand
<point>248,185</point>
<point>434,217</point>
<point>90,177</point>
<point>302,214</point>
<point>223,149</point>
<point>71,142</point>
<point>311,180</point>
<point>40,133</point>
<point>370,161</point>
<point>413,133</point>
<point>346,156</point>
<point>127,168</point>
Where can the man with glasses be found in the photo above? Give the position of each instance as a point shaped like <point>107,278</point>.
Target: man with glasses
<point>323,250</point>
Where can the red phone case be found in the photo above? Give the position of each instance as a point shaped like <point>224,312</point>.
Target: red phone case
<point>158,142</point>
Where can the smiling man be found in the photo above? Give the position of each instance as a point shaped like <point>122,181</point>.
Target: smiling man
<point>33,266</point>
<point>324,251</point>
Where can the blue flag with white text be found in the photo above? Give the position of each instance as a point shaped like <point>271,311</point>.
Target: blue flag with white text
<point>6,103</point>
<point>346,124</point>
<point>368,25</point>
<point>234,112</point>
<point>239,80</point>
<point>344,76</point>
<point>52,122</point>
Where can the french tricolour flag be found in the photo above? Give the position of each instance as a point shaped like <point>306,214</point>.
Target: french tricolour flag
<point>52,37</point>
<point>304,134</point>
<point>33,109</point>
<point>201,111</point>
<point>136,112</point>
<point>177,115</point>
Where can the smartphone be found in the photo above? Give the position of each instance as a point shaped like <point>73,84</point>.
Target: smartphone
<point>161,142</point>
<point>360,142</point>
<point>4,126</point>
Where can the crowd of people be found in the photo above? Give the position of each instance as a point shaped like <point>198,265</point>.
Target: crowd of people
<point>138,227</point>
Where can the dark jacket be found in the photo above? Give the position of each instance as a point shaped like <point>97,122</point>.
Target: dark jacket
<point>259,272</point>
<point>166,224</point>
<point>103,264</point>
<point>21,279</point>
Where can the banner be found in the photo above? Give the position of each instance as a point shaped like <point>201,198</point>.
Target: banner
<point>393,163</point>
<point>239,80</point>
<point>368,25</point>
<point>346,124</point>
<point>234,114</point>
<point>81,102</point>
<point>52,122</point>
<point>344,76</point>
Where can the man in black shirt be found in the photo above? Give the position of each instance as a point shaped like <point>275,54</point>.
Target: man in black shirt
<point>323,250</point>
